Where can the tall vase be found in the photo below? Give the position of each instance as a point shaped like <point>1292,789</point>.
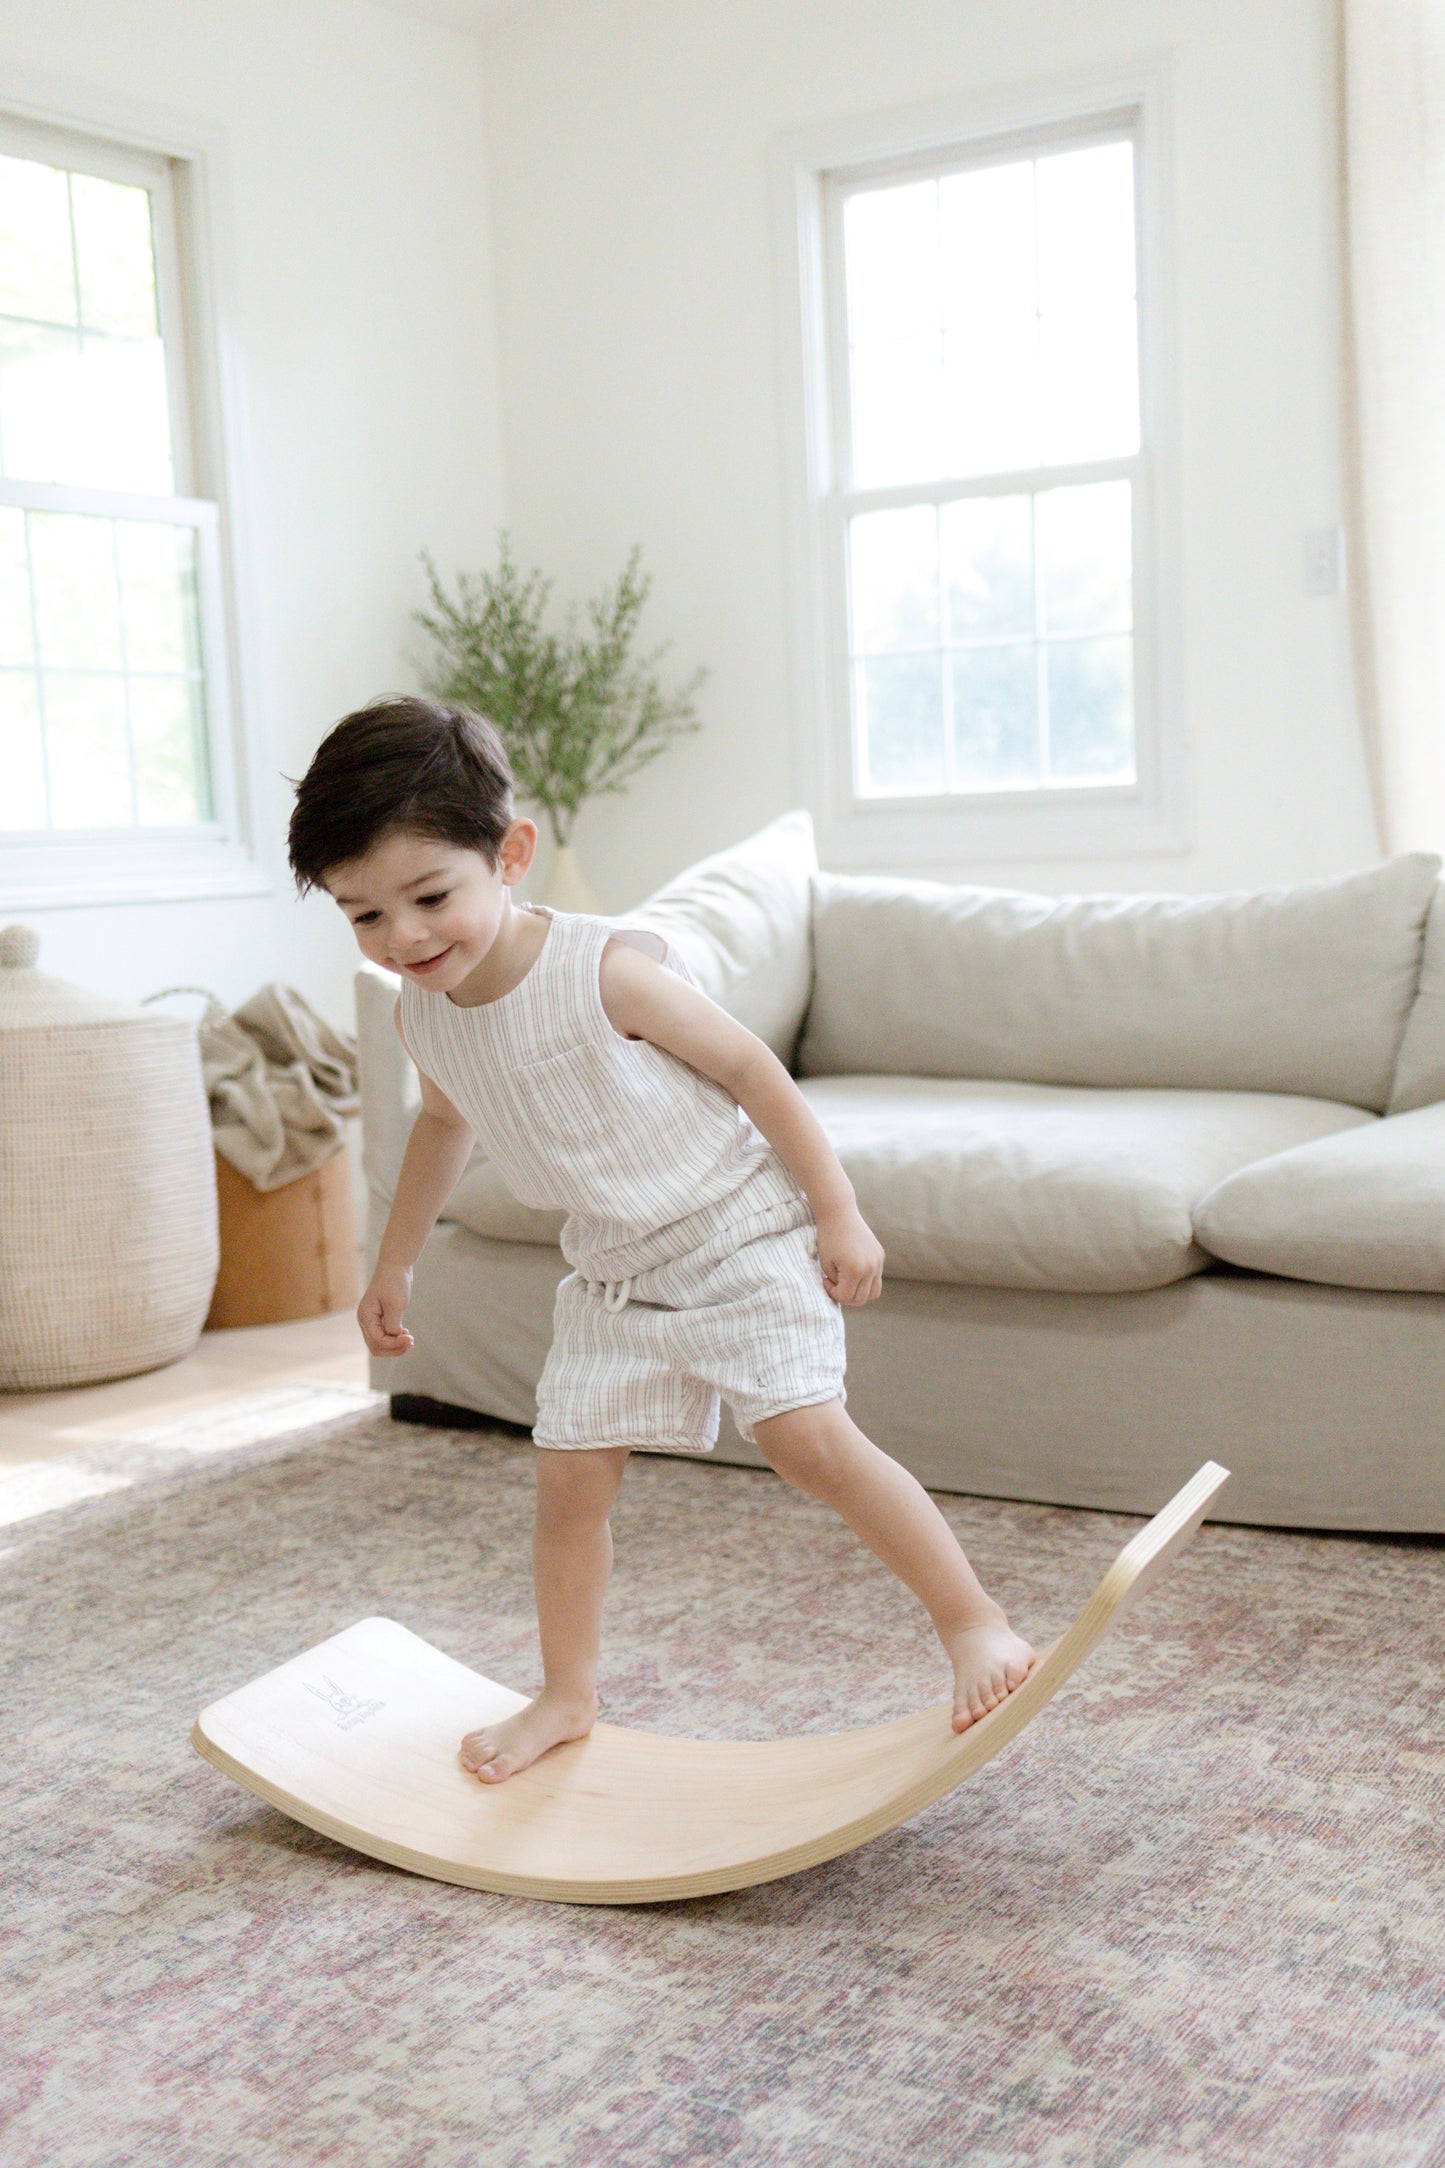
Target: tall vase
<point>566,890</point>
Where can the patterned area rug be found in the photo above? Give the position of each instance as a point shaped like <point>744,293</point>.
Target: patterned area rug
<point>1193,1915</point>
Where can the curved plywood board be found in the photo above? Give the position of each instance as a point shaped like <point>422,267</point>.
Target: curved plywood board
<point>358,1739</point>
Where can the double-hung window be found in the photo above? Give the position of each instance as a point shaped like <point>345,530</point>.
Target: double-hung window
<point>983,489</point>
<point>117,776</point>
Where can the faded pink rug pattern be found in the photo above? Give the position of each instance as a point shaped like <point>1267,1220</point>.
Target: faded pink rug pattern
<point>1195,1914</point>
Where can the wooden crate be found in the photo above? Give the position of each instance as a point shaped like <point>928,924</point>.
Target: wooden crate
<point>285,1253</point>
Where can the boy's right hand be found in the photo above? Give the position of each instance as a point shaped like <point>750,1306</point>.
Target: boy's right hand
<point>382,1308</point>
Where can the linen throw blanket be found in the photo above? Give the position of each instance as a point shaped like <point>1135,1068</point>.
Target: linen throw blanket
<point>281,1084</point>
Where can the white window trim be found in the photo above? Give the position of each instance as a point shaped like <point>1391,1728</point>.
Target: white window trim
<point>1145,818</point>
<point>216,858</point>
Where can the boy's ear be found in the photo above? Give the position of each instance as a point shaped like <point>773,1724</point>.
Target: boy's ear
<point>519,848</point>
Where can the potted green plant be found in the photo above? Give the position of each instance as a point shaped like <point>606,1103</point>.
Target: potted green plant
<point>578,709</point>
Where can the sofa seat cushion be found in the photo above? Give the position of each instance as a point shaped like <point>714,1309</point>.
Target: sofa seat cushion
<point>1025,1185</point>
<point>1298,990</point>
<point>1363,1209</point>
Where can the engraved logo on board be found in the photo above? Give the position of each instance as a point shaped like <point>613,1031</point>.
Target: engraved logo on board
<point>349,1710</point>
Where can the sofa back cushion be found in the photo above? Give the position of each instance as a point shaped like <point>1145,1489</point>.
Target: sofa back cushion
<point>740,921</point>
<point>1420,1071</point>
<point>1301,989</point>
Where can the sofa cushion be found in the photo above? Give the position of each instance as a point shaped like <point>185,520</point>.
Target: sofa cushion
<point>483,1202</point>
<point>1301,990</point>
<point>1420,1070</point>
<point>741,922</point>
<point>1365,1209</point>
<point>1026,1185</point>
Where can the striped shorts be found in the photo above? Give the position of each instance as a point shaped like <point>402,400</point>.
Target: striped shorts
<point>646,1362</point>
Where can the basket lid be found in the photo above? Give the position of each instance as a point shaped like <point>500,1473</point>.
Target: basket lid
<point>30,999</point>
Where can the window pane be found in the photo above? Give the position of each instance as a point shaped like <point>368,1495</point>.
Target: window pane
<point>16,642</point>
<point>115,254</point>
<point>120,420</point>
<point>89,755</point>
<point>991,400</point>
<point>36,371</point>
<point>37,275</point>
<point>87,408</point>
<point>90,412</point>
<point>121,670</point>
<point>24,760</point>
<point>165,723</point>
<point>1086,227</point>
<point>990,306</point>
<point>890,249</point>
<point>1089,385</point>
<point>158,595</point>
<point>1027,270</point>
<point>77,606</point>
<point>895,579</point>
<point>988,566</point>
<point>1091,711</point>
<point>1085,558</point>
<point>993,333</point>
<point>995,717</point>
<point>986,244</point>
<point>897,403</point>
<point>901,712</point>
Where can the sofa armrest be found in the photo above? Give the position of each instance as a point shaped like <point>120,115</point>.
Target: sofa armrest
<point>390,1093</point>
<point>1363,1208</point>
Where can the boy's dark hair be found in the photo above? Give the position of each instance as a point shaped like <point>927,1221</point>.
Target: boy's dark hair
<point>401,763</point>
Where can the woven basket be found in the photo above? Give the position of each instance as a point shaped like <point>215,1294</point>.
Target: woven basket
<point>107,1183</point>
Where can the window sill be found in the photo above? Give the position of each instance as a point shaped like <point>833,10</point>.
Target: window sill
<point>873,833</point>
<point>41,874</point>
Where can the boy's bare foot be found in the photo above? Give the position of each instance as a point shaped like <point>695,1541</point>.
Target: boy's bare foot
<point>497,1751</point>
<point>989,1660</point>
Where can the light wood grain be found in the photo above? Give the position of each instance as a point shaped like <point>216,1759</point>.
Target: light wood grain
<point>358,1739</point>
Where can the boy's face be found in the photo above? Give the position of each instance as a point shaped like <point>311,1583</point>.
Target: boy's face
<point>430,910</point>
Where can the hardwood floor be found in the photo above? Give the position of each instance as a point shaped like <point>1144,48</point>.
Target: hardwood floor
<point>224,1367</point>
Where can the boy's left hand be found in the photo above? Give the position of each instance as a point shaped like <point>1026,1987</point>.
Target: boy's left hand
<point>851,1257</point>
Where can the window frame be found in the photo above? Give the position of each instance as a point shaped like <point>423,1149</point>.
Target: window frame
<point>813,174</point>
<point>41,868</point>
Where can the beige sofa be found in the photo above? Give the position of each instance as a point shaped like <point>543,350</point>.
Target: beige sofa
<point>1159,1178</point>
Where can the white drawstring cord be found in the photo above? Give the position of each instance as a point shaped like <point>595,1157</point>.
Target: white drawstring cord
<point>615,1294</point>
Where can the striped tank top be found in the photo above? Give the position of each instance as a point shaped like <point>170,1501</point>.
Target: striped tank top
<point>648,1159</point>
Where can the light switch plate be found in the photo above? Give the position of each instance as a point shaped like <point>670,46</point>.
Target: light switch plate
<point>1325,561</point>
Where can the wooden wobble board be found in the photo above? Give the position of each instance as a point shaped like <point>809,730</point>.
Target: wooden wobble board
<point>358,1739</point>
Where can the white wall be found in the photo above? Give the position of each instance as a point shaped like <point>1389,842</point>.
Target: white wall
<point>360,324</point>
<point>628,143</point>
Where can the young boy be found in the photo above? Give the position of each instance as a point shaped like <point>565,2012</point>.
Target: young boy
<point>714,1237</point>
